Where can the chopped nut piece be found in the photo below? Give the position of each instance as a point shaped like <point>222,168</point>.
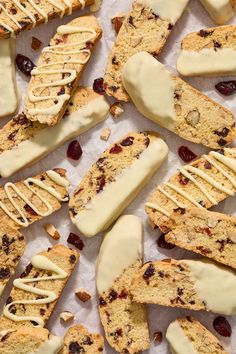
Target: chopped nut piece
<point>212,223</point>
<point>66,316</point>
<point>116,109</point>
<point>158,337</point>
<point>135,41</point>
<point>105,134</point>
<point>82,295</point>
<point>52,231</point>
<point>193,117</point>
<point>117,21</point>
<point>232,235</point>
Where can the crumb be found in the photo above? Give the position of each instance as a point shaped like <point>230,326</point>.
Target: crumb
<point>83,295</point>
<point>52,231</point>
<point>35,43</point>
<point>105,134</point>
<point>158,337</point>
<point>117,21</point>
<point>116,109</point>
<point>66,316</point>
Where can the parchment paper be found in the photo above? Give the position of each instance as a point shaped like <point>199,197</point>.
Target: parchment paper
<point>194,19</point>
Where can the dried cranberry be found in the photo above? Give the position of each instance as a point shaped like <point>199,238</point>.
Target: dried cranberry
<point>127,141</point>
<point>185,154</point>
<point>98,85</point>
<point>222,326</point>
<point>74,150</point>
<point>162,243</point>
<point>75,348</point>
<point>207,165</point>
<point>4,273</point>
<point>203,33</point>
<point>149,272</point>
<point>30,210</point>
<point>116,149</point>
<point>35,43</point>
<point>226,88</point>
<point>76,241</point>
<point>24,64</point>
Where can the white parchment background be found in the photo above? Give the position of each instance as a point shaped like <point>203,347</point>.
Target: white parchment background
<point>194,19</point>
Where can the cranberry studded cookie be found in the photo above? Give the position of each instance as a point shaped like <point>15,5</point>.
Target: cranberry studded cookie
<point>36,292</point>
<point>114,181</point>
<point>204,183</point>
<point>208,233</point>
<point>15,17</point>
<point>209,52</point>
<point>189,284</point>
<point>32,140</point>
<point>124,322</point>
<point>79,340</point>
<point>25,340</point>
<point>146,27</point>
<point>220,11</point>
<point>175,105</point>
<point>187,335</point>
<point>58,71</point>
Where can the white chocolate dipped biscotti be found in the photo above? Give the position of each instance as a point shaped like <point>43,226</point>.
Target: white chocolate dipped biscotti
<point>23,142</point>
<point>189,284</point>
<point>146,27</point>
<point>15,17</point>
<point>25,340</point>
<point>124,322</point>
<point>209,52</point>
<point>79,340</point>
<point>9,95</point>
<point>203,183</point>
<point>208,233</point>
<point>36,292</point>
<point>58,71</point>
<point>174,104</point>
<point>220,11</point>
<point>189,336</point>
<point>114,181</point>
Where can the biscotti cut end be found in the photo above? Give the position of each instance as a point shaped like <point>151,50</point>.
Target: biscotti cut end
<point>187,335</point>
<point>114,180</point>
<point>220,11</point>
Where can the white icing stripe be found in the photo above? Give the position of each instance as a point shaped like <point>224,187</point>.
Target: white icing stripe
<point>61,99</point>
<point>224,173</point>
<point>208,61</point>
<point>170,197</point>
<point>55,177</point>
<point>221,11</point>
<point>107,205</point>
<point>178,341</point>
<point>215,285</point>
<point>22,220</point>
<point>125,240</point>
<point>49,138</point>
<point>156,207</point>
<point>25,11</point>
<point>43,263</point>
<point>183,194</point>
<point>12,18</point>
<point>51,346</point>
<point>39,10</point>
<point>227,161</point>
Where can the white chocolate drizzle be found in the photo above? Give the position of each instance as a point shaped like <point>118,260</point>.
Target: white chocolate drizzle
<point>213,155</point>
<point>51,346</point>
<point>70,74</point>
<point>43,263</point>
<point>178,341</point>
<point>22,219</point>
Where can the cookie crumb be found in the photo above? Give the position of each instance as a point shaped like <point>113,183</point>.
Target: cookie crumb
<point>116,109</point>
<point>35,43</point>
<point>67,316</point>
<point>105,134</point>
<point>83,295</point>
<point>158,337</point>
<point>117,21</point>
<point>52,231</point>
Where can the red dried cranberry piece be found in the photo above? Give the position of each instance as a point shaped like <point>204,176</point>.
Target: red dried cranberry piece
<point>74,150</point>
<point>35,43</point>
<point>30,210</point>
<point>185,154</point>
<point>127,141</point>
<point>76,241</point>
<point>226,88</point>
<point>116,149</point>
<point>222,326</point>
<point>183,180</point>
<point>98,85</point>
<point>207,165</point>
<point>149,272</point>
<point>24,64</point>
<point>162,243</point>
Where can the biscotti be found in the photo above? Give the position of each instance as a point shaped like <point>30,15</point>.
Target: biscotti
<point>9,96</point>
<point>15,18</point>
<point>35,293</point>
<point>59,69</point>
<point>209,52</point>
<point>220,11</point>
<point>124,322</point>
<point>208,233</point>
<point>114,180</point>
<point>174,104</point>
<point>24,340</point>
<point>204,183</point>
<point>189,284</point>
<point>79,340</point>
<point>32,140</point>
<point>187,335</point>
<point>146,27</point>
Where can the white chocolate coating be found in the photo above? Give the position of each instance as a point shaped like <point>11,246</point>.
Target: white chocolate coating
<point>151,88</point>
<point>51,346</point>
<point>121,247</point>
<point>178,341</point>
<point>220,11</point>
